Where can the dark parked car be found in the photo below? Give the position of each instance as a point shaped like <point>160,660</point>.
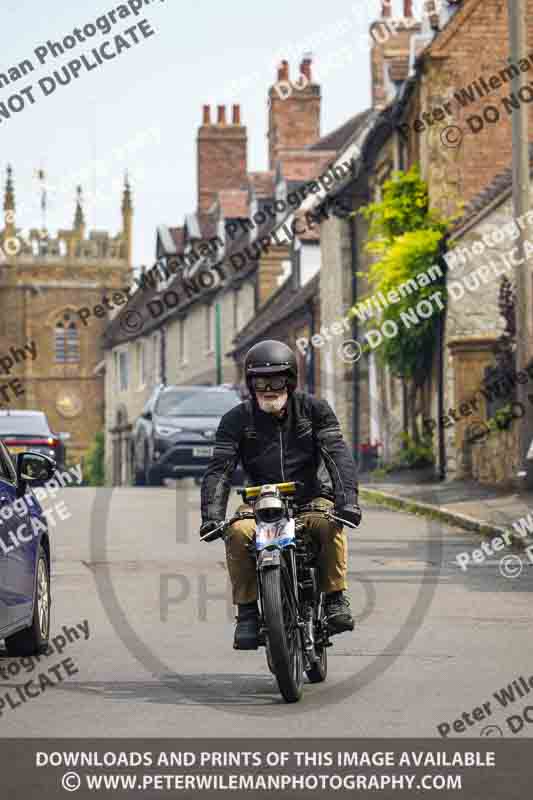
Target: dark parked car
<point>24,554</point>
<point>29,430</point>
<point>174,436</point>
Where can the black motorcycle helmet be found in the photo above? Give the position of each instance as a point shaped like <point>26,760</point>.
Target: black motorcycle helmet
<point>271,358</point>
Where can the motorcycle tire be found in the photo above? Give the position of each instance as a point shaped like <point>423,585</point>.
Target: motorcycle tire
<point>285,643</point>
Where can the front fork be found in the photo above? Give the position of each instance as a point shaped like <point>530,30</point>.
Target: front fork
<point>285,561</point>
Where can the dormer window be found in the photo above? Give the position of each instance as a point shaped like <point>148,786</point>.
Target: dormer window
<point>254,209</point>
<point>219,253</point>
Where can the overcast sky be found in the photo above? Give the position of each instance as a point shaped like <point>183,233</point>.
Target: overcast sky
<point>150,97</point>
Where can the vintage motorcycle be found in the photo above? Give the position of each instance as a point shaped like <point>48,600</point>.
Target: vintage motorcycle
<point>293,621</point>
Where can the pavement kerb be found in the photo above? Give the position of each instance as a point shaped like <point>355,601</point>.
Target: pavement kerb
<point>454,518</point>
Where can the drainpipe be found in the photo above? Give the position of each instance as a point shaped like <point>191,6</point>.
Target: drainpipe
<point>405,416</point>
<point>440,385</point>
<point>440,402</point>
<point>163,355</point>
<point>355,331</point>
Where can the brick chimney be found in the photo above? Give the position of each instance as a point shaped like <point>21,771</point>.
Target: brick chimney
<point>294,112</point>
<point>222,155</point>
<point>391,42</point>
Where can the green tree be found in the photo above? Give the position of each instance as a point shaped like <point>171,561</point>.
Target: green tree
<point>94,468</point>
<point>406,237</point>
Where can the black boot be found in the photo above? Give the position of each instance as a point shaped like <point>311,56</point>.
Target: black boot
<point>338,613</point>
<point>246,632</point>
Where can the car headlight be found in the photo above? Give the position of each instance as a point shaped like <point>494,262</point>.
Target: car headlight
<point>165,430</point>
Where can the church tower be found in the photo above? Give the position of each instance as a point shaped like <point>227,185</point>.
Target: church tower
<point>45,282</point>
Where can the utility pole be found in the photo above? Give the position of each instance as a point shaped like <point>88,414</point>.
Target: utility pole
<point>520,168</point>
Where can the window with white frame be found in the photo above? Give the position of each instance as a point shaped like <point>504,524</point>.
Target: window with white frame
<point>236,315</point>
<point>123,370</point>
<point>281,195</point>
<point>156,357</point>
<point>208,330</point>
<point>254,209</point>
<point>286,271</point>
<point>141,364</point>
<point>182,341</point>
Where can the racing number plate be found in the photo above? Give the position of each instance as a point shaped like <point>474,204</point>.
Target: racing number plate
<point>278,533</point>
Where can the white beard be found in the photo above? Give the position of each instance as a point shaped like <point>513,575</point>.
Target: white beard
<point>273,406</point>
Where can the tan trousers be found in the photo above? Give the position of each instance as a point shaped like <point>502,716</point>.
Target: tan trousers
<point>333,561</point>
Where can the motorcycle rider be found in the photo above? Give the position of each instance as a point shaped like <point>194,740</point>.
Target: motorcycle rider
<point>281,434</point>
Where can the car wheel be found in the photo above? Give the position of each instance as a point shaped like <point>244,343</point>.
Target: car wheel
<point>34,640</point>
<point>149,478</point>
<point>139,477</point>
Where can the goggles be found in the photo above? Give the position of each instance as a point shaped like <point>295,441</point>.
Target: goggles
<point>274,383</point>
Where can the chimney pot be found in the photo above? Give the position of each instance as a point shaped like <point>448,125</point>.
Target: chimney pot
<point>221,119</point>
<point>305,67</point>
<point>386,9</point>
<point>236,115</point>
<point>283,71</point>
<point>207,115</point>
<point>408,8</point>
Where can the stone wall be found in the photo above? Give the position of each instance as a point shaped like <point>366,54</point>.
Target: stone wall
<point>127,404</point>
<point>335,300</point>
<point>479,260</point>
<point>473,48</point>
<point>495,461</point>
<point>200,364</point>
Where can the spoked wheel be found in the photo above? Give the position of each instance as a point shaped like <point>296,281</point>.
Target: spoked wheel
<point>318,672</point>
<point>285,645</point>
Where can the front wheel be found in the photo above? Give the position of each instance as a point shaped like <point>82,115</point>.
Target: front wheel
<point>284,638</point>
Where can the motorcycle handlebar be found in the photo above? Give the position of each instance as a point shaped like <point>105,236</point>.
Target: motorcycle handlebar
<point>226,524</point>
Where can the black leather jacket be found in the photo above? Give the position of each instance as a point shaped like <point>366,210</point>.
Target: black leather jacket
<point>305,445</point>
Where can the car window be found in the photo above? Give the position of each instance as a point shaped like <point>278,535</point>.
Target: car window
<point>7,470</point>
<point>169,401</point>
<point>20,425</point>
<point>196,404</point>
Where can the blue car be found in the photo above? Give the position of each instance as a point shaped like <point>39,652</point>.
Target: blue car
<point>24,554</point>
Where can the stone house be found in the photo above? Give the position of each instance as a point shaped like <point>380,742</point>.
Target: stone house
<point>369,402</point>
<point>240,211</point>
<point>482,253</point>
<point>457,123</point>
<point>414,115</point>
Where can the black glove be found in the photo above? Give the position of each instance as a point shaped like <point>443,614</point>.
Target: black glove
<point>351,514</point>
<point>208,526</point>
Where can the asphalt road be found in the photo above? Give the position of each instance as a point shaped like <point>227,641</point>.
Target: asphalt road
<point>432,642</point>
